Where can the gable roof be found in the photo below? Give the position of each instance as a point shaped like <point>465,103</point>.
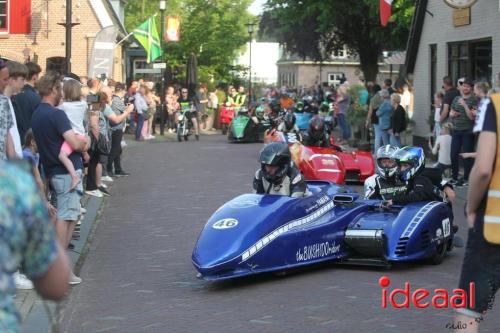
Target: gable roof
<point>107,16</point>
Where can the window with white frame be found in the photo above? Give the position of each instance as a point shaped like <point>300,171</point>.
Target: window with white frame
<point>341,53</point>
<point>4,15</point>
<point>334,79</point>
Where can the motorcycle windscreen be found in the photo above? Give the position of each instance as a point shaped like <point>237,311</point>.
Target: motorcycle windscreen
<point>238,126</point>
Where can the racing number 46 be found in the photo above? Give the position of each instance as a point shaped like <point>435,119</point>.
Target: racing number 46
<point>225,224</point>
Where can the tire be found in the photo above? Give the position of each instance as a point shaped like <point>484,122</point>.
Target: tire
<point>224,129</point>
<point>439,255</point>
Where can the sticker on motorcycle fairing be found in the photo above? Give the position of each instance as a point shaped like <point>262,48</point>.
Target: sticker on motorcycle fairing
<point>291,138</point>
<point>446,227</point>
<point>225,224</point>
<point>244,203</point>
<point>316,251</point>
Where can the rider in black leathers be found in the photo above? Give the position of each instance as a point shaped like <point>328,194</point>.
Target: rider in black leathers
<point>277,174</point>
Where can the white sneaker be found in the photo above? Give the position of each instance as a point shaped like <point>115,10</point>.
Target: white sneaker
<point>22,282</point>
<point>73,279</point>
<point>152,137</point>
<point>95,193</point>
<point>107,179</point>
<point>103,185</point>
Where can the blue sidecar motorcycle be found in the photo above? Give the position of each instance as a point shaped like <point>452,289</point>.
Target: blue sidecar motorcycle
<point>262,233</point>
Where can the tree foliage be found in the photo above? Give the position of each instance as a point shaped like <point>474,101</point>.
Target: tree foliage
<point>316,28</point>
<point>214,30</point>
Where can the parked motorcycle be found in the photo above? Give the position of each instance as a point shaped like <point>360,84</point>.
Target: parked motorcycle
<point>226,115</point>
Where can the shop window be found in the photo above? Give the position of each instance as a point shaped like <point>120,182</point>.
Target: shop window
<point>4,15</point>
<point>470,58</point>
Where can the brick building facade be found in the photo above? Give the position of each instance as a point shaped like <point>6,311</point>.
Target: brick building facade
<point>42,39</point>
<point>296,72</point>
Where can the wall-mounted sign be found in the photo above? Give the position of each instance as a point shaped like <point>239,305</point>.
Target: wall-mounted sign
<point>460,3</point>
<point>461,17</point>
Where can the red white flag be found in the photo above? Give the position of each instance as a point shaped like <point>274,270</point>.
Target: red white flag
<point>385,12</point>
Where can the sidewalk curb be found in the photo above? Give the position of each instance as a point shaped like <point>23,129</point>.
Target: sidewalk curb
<point>35,318</point>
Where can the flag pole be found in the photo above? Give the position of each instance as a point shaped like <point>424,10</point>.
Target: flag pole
<point>124,38</point>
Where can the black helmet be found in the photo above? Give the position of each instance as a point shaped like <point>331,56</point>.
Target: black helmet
<point>289,121</point>
<point>316,127</point>
<point>276,154</point>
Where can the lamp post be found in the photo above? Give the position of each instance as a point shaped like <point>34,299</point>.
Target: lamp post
<point>163,7</point>
<point>250,26</point>
<point>68,25</point>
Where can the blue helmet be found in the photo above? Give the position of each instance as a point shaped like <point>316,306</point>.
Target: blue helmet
<point>415,157</point>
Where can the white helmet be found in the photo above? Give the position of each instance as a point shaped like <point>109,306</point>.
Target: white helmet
<point>386,152</point>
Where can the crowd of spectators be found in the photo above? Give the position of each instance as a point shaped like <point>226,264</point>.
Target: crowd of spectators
<point>456,110</point>
<point>69,133</point>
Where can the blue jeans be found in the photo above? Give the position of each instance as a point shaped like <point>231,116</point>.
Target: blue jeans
<point>68,202</point>
<point>378,137</point>
<point>138,129</point>
<point>395,140</point>
<point>461,141</point>
<point>344,126</point>
<point>385,137</point>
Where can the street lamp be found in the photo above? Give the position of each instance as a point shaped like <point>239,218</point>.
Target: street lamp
<point>250,26</point>
<point>163,7</point>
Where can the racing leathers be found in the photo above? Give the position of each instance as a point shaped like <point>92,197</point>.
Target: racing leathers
<point>381,188</point>
<point>295,130</point>
<point>423,187</point>
<point>293,184</point>
<point>323,141</point>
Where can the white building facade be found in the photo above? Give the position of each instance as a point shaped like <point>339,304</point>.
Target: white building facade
<point>447,41</point>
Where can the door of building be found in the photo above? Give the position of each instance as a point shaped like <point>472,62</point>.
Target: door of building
<point>57,64</point>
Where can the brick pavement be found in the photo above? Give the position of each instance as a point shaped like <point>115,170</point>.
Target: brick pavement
<point>138,276</point>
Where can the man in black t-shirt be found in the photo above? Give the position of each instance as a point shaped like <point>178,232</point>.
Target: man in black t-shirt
<point>27,100</point>
<point>450,93</point>
<point>51,128</point>
<point>481,264</point>
<point>187,105</point>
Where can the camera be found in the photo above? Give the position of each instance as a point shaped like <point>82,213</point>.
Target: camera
<point>91,99</point>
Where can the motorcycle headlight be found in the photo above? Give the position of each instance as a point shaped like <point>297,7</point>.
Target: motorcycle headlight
<point>179,117</point>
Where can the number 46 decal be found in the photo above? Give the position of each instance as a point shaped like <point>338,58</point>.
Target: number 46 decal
<point>225,224</point>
